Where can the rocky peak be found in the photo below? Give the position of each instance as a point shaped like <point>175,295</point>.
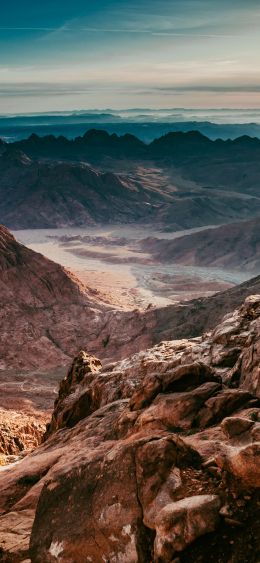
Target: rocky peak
<point>83,370</point>
<point>83,365</point>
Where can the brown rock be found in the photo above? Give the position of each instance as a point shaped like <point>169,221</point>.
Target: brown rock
<point>82,370</point>
<point>243,465</point>
<point>235,425</point>
<point>180,523</point>
<point>110,486</point>
<point>19,432</point>
<point>178,410</point>
<point>111,478</point>
<point>158,474</point>
<point>216,408</point>
<point>15,531</point>
<point>178,379</point>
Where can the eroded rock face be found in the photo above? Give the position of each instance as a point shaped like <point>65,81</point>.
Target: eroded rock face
<point>149,458</point>
<point>19,432</point>
<point>84,367</point>
<point>113,483</point>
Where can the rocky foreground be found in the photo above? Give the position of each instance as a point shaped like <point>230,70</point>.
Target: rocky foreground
<point>151,459</point>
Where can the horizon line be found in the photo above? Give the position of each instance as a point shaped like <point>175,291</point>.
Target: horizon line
<point>145,109</point>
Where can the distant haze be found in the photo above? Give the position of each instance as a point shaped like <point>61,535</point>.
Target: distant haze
<point>146,124</point>
<point>147,115</point>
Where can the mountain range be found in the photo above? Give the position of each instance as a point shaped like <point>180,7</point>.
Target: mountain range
<point>179,181</point>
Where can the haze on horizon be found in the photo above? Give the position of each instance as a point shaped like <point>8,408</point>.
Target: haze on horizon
<point>118,53</point>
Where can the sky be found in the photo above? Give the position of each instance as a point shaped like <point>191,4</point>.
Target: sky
<point>62,55</point>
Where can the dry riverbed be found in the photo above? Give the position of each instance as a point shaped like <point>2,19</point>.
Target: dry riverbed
<point>111,260</point>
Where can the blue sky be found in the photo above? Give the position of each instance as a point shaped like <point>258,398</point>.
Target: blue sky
<point>110,53</point>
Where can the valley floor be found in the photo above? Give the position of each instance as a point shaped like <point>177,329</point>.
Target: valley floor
<point>113,262</point>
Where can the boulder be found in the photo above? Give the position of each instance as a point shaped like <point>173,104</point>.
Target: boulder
<point>178,410</point>
<point>103,494</point>
<point>234,426</point>
<point>178,524</point>
<point>221,405</point>
<point>181,378</point>
<point>15,531</point>
<point>242,465</point>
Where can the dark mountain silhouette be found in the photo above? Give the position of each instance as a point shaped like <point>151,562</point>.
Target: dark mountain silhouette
<point>232,164</point>
<point>95,144</point>
<point>50,181</point>
<point>174,145</point>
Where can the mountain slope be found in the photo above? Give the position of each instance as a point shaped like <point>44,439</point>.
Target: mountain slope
<point>47,316</point>
<point>42,306</point>
<point>199,181</point>
<point>236,245</point>
<point>43,194</point>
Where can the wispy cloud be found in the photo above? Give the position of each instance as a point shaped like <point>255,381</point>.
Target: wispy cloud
<point>34,28</point>
<point>246,88</point>
<point>168,33</point>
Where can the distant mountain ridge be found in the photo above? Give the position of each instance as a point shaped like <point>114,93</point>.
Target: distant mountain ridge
<point>234,164</point>
<point>56,182</point>
<point>129,145</point>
